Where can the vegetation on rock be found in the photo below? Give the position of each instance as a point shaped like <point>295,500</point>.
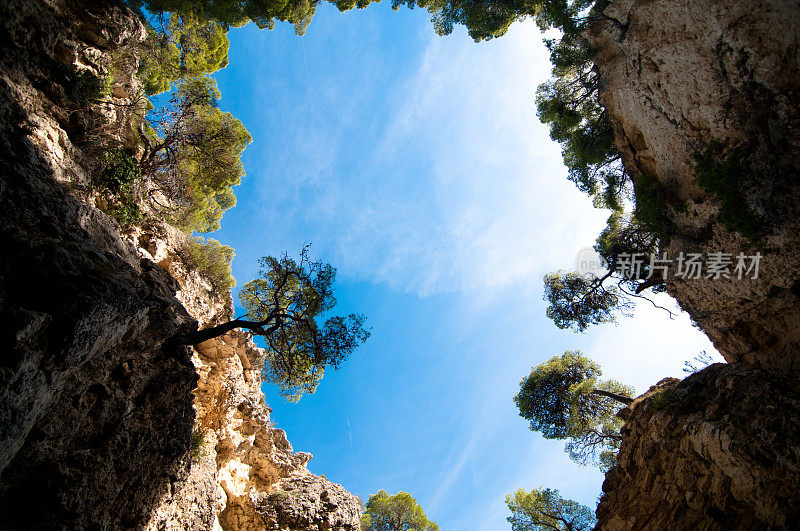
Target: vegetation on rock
<point>213,261</point>
<point>721,174</point>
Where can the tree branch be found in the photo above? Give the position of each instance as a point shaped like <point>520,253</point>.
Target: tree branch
<point>614,396</point>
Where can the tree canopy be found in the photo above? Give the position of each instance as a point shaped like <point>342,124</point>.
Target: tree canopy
<point>286,306</point>
<point>262,13</point>
<point>545,509</point>
<point>179,47</point>
<point>193,155</point>
<point>563,398</point>
<point>399,512</point>
<point>577,301</point>
<point>626,246</point>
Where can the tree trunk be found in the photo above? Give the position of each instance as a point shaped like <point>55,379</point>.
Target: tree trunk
<point>614,396</point>
<point>215,331</point>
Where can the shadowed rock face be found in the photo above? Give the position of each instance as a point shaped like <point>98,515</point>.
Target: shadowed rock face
<point>720,449</point>
<point>95,415</point>
<point>717,450</point>
<point>99,420</point>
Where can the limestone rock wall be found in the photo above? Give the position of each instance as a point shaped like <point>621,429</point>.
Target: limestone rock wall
<point>102,424</point>
<point>95,415</point>
<point>718,450</point>
<point>678,76</point>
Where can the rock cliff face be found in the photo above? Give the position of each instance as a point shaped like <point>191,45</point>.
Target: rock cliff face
<point>102,424</point>
<point>678,77</point>
<point>718,450</point>
<point>243,472</point>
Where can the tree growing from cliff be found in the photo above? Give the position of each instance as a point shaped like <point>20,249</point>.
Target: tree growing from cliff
<point>545,509</point>
<point>562,398</point>
<point>265,15</point>
<point>286,306</point>
<point>399,512</point>
<point>193,155</point>
<point>626,246</point>
<point>181,47</point>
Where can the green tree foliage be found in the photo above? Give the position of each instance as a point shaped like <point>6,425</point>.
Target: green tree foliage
<point>487,19</point>
<point>179,47</point>
<point>213,261</point>
<point>263,14</point>
<point>569,104</point>
<point>577,301</point>
<point>196,158</point>
<point>545,509</point>
<point>285,306</point>
<point>563,398</point>
<point>399,512</point>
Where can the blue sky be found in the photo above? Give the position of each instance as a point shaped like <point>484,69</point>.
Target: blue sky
<point>416,165</point>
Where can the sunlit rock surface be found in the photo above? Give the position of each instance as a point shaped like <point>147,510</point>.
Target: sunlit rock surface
<point>677,77</point>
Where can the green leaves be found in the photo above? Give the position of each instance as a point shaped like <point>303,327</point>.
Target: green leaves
<point>560,399</point>
<point>577,302</point>
<point>264,14</point>
<point>196,156</point>
<point>545,509</point>
<point>289,301</point>
<point>118,169</point>
<point>399,512</point>
<point>213,261</point>
<point>180,47</point>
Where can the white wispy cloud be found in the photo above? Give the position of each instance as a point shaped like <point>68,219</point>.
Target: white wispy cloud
<point>473,193</point>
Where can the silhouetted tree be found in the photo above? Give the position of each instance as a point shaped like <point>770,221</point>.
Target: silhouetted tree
<point>285,306</point>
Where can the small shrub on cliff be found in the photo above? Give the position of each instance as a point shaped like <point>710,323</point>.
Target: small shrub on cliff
<point>83,85</point>
<point>213,261</point>
<point>663,400</point>
<point>277,496</point>
<point>722,175</point>
<point>545,509</point>
<point>196,448</point>
<point>125,209</point>
<point>119,174</point>
<point>117,169</point>
<point>562,398</point>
